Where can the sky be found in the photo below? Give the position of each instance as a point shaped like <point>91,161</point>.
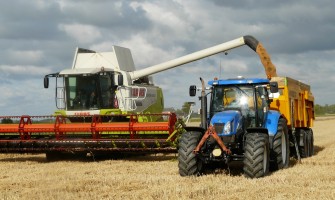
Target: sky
<point>40,37</point>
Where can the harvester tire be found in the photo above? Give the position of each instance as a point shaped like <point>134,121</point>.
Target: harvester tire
<point>52,156</point>
<point>280,152</point>
<point>256,155</point>
<point>188,162</point>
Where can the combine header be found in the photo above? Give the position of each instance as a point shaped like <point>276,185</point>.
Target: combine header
<point>37,134</point>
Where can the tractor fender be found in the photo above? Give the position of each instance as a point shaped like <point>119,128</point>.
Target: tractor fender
<point>272,122</point>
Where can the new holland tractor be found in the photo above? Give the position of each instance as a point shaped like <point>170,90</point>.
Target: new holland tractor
<point>252,121</point>
<point>106,106</point>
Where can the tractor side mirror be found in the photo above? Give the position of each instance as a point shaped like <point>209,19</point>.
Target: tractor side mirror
<point>119,79</point>
<point>193,90</point>
<point>46,82</point>
<point>273,87</point>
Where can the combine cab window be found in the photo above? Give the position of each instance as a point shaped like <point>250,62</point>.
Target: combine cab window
<point>89,92</point>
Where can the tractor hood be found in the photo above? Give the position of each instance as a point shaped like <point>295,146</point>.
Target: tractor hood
<point>227,122</point>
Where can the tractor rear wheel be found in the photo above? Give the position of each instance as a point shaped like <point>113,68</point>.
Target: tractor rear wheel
<point>256,155</point>
<point>188,162</point>
<point>280,153</point>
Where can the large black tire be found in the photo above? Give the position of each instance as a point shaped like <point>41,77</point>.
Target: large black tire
<point>310,142</point>
<point>280,152</point>
<point>189,163</point>
<point>307,149</point>
<point>256,155</point>
<point>52,156</point>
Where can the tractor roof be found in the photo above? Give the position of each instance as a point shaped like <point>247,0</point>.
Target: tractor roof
<point>239,81</point>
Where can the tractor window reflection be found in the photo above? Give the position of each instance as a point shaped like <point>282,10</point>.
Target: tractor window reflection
<point>233,98</point>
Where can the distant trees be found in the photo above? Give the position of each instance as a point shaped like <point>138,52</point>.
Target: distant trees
<point>323,110</point>
<point>6,121</point>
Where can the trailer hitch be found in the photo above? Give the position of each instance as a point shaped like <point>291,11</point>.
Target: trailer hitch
<point>211,132</point>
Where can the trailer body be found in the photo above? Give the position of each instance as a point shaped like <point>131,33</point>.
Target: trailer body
<point>295,102</point>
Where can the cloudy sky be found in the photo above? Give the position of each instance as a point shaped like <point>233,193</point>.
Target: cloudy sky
<point>39,37</point>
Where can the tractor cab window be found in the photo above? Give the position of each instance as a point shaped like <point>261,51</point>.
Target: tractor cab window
<point>233,97</point>
<point>262,105</point>
<point>89,92</point>
<point>251,101</point>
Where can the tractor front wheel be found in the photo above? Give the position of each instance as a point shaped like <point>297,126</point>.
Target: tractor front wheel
<point>189,163</point>
<point>256,155</point>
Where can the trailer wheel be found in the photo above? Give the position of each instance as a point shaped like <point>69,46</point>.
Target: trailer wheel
<point>307,149</point>
<point>280,153</point>
<point>189,163</point>
<point>311,142</point>
<point>256,155</point>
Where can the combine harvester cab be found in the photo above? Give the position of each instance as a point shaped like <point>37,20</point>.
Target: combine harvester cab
<point>99,84</point>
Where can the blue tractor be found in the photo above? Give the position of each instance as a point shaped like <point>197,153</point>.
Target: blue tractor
<point>240,126</point>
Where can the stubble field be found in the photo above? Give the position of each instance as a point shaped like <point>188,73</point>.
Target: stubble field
<point>156,177</point>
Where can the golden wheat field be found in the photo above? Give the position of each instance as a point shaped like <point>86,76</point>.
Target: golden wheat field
<point>156,177</point>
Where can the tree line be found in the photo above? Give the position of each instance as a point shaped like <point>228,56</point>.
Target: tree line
<point>324,110</point>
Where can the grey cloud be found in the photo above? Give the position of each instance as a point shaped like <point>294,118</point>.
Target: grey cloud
<point>26,20</point>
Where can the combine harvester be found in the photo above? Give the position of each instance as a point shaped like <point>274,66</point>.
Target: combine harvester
<point>105,106</point>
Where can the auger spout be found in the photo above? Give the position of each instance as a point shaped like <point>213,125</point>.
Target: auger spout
<point>245,40</point>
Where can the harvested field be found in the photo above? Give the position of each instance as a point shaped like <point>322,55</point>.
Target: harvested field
<point>156,177</point>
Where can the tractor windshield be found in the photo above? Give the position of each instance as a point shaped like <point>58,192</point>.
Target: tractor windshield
<point>232,97</point>
<point>89,92</point>
<point>250,100</point>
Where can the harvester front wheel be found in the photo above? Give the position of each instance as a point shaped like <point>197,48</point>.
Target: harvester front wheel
<point>256,155</point>
<point>52,156</point>
<point>280,153</point>
<point>189,163</point>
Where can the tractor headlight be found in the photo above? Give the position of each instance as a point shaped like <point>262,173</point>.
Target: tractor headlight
<point>227,128</point>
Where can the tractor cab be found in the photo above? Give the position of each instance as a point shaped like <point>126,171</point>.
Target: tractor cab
<point>238,104</point>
